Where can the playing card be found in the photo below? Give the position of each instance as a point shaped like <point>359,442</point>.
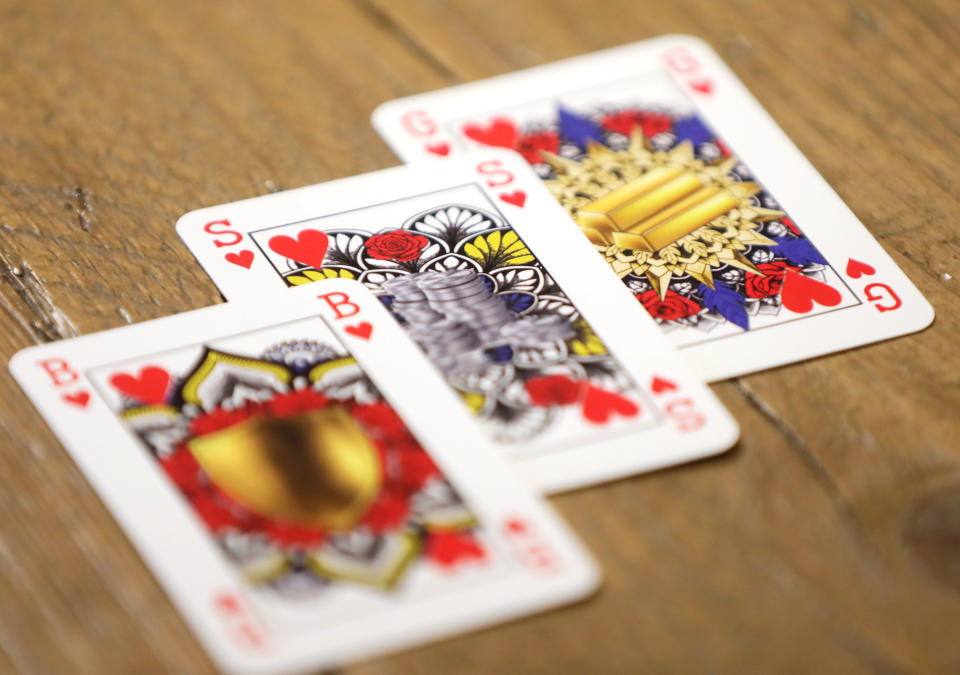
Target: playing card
<point>272,462</point>
<point>487,275</point>
<point>692,194</point>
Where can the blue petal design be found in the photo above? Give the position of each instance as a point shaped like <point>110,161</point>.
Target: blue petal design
<point>798,251</point>
<point>727,302</point>
<point>489,282</point>
<point>693,130</point>
<point>578,129</point>
<point>501,354</point>
<point>518,302</point>
<point>387,300</point>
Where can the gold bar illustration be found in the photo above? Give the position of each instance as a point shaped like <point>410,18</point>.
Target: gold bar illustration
<point>653,211</point>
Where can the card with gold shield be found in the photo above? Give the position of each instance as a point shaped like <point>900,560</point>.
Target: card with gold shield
<point>274,463</point>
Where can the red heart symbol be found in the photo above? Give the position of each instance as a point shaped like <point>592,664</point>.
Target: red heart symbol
<point>517,197</point>
<point>361,330</point>
<point>309,248</point>
<point>500,132</point>
<point>661,384</point>
<point>599,404</point>
<point>149,387</point>
<point>441,148</point>
<point>243,258</point>
<point>704,86</point>
<point>799,293</point>
<point>78,398</point>
<point>855,269</point>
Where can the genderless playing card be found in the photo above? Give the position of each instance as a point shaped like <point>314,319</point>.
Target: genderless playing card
<point>690,192</point>
<point>485,272</point>
<point>274,464</point>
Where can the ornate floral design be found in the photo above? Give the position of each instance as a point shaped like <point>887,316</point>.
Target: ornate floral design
<point>302,472</point>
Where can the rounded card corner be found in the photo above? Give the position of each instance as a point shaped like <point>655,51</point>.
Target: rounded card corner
<point>589,582</point>
<point>731,436</point>
<point>183,222</point>
<point>927,316</point>
<point>379,113</point>
<point>17,364</point>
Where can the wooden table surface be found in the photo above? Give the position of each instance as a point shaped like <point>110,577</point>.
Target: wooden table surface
<point>828,541</point>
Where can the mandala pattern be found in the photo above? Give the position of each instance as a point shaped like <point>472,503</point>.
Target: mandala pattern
<point>678,218</point>
<point>483,308</point>
<point>300,470</point>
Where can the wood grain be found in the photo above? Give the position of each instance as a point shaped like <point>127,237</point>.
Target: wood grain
<point>829,541</point>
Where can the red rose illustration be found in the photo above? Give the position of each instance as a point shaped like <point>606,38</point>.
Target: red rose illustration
<point>673,306</point>
<point>551,390</point>
<point>530,145</point>
<point>398,245</point>
<point>758,286</point>
<point>624,122</point>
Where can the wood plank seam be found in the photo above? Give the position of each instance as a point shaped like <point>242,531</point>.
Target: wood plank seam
<point>408,40</point>
<point>793,440</point>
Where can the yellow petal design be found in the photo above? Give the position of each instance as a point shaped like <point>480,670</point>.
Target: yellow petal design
<point>310,276</point>
<point>586,343</point>
<point>473,400</point>
<point>499,248</point>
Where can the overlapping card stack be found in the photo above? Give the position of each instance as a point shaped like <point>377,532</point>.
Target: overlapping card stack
<point>346,457</point>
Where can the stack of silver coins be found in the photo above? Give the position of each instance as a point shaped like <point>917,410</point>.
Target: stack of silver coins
<point>410,301</point>
<point>453,316</point>
<point>532,331</point>
<point>462,295</point>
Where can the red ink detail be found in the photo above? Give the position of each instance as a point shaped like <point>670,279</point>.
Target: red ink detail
<point>800,293</point>
<point>890,294</point>
<point>149,387</point>
<point>704,86</point>
<point>550,390</point>
<point>59,371</point>
<point>515,526</point>
<point>447,549</point>
<point>517,197</point>
<point>856,269</point>
<point>599,405</point>
<point>625,121</point>
<point>533,145</point>
<point>685,414</point>
<point>418,123</point>
<point>228,603</point>
<point>501,132</point>
<point>78,398</point>
<point>243,258</point>
<point>361,330</point>
<point>441,148</point>
<point>342,300</point>
<point>660,385</point>
<point>309,248</point>
<point>234,237</point>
